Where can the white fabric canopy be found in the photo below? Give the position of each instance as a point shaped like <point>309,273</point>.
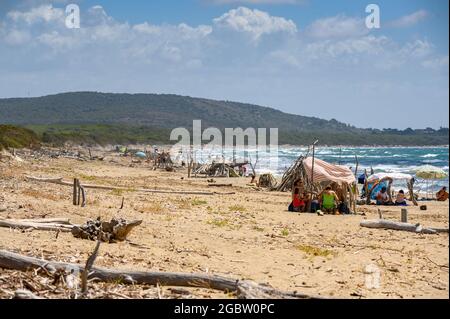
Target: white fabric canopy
<point>325,172</point>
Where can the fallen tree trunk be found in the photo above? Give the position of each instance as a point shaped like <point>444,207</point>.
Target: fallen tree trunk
<point>10,223</point>
<point>388,224</point>
<point>60,181</point>
<point>220,185</point>
<point>243,289</point>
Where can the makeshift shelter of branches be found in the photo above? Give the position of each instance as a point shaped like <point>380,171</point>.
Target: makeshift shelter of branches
<point>215,170</point>
<point>267,181</point>
<point>315,178</point>
<point>162,160</point>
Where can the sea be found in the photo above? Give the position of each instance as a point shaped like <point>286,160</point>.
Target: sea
<point>379,159</point>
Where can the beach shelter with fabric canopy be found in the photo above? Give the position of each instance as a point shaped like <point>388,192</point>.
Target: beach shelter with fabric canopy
<point>316,175</point>
<point>376,181</point>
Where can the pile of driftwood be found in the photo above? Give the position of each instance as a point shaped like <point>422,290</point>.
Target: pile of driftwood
<point>215,170</point>
<point>109,232</point>
<point>46,152</point>
<point>162,160</point>
<point>267,181</point>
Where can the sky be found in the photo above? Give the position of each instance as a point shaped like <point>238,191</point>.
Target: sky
<point>307,57</point>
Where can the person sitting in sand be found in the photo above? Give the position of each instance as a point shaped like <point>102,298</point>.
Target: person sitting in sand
<point>329,201</point>
<point>442,195</point>
<point>298,202</point>
<point>383,197</point>
<point>401,198</point>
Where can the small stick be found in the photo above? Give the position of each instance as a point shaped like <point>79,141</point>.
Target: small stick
<point>89,263</point>
<point>121,206</point>
<point>380,214</point>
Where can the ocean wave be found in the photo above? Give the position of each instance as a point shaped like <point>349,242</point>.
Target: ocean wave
<point>430,155</point>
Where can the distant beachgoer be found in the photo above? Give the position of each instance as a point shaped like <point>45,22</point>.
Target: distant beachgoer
<point>401,198</point>
<point>442,195</point>
<point>383,197</point>
<point>298,203</point>
<point>329,201</point>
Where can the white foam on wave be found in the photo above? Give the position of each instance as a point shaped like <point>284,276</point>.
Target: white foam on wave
<point>430,155</point>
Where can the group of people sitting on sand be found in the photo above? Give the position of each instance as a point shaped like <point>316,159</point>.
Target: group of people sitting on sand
<point>325,202</point>
<point>383,198</point>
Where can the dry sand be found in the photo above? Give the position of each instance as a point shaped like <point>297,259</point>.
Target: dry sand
<point>247,235</point>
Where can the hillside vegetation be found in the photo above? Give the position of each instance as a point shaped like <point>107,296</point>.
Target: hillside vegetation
<point>17,137</point>
<point>119,118</point>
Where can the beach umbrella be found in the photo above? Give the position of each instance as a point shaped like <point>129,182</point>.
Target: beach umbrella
<point>141,155</point>
<point>429,172</point>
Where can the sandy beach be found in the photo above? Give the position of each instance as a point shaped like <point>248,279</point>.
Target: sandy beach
<point>245,235</point>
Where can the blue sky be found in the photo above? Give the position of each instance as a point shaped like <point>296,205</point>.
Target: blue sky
<point>306,57</point>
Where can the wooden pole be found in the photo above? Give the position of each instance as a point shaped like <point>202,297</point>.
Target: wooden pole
<point>312,175</point>
<point>78,192</point>
<point>74,191</point>
<point>404,215</point>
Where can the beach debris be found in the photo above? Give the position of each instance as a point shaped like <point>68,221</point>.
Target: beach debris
<point>220,185</point>
<point>53,224</point>
<point>109,232</point>
<point>216,170</point>
<point>79,194</point>
<point>404,218</point>
<point>243,289</point>
<point>423,207</point>
<point>89,263</point>
<point>60,181</point>
<point>267,181</point>
<point>388,224</point>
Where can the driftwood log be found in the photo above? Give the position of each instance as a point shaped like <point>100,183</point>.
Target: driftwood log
<point>220,185</point>
<point>37,225</point>
<point>388,224</point>
<point>59,181</point>
<point>243,289</point>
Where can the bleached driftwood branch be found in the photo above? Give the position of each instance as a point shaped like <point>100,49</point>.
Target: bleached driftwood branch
<point>38,225</point>
<point>243,289</point>
<point>60,181</point>
<point>388,224</point>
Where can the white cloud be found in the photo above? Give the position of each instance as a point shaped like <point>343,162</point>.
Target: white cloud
<point>409,20</point>
<point>254,22</point>
<point>439,63</point>
<point>17,37</point>
<point>335,55</point>
<point>45,13</point>
<point>337,27</point>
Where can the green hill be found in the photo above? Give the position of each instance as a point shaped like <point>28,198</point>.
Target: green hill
<point>106,117</point>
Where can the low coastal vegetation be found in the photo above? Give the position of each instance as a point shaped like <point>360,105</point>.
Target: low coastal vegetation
<point>17,137</point>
